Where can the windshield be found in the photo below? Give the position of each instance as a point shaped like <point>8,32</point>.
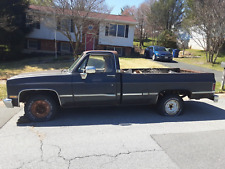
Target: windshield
<point>75,62</point>
<point>159,48</point>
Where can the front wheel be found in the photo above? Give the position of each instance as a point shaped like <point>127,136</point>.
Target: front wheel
<point>170,105</point>
<point>153,57</point>
<point>40,108</point>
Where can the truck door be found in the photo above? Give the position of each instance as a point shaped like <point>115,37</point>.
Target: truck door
<point>96,82</point>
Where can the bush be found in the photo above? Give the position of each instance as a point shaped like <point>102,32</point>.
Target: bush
<point>167,39</point>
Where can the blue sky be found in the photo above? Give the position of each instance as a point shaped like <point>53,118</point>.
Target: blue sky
<point>116,5</point>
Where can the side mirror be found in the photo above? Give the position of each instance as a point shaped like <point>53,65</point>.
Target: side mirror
<point>90,69</point>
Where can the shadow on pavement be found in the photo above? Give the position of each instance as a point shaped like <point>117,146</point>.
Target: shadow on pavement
<point>124,116</point>
<point>173,61</point>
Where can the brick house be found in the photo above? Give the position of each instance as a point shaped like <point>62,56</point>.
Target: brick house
<point>114,32</point>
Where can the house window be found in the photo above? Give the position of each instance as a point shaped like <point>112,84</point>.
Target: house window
<point>33,21</point>
<point>37,25</point>
<point>107,30</point>
<point>112,30</point>
<point>121,30</point>
<point>32,44</point>
<point>127,31</point>
<point>116,30</point>
<point>65,25</point>
<point>65,47</point>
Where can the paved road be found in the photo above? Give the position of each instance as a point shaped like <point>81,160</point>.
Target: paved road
<point>218,74</point>
<point>118,137</point>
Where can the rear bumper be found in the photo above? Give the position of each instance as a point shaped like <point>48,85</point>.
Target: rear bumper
<point>8,103</point>
<point>215,98</point>
<point>205,95</point>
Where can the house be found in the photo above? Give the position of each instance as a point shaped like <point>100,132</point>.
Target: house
<point>113,32</point>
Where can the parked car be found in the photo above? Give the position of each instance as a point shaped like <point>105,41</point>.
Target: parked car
<point>158,53</point>
<point>95,79</point>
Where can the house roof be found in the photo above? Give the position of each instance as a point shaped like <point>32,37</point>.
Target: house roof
<point>93,15</point>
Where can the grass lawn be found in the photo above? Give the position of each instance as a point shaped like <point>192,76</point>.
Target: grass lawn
<point>9,69</point>
<point>126,63</point>
<point>201,61</point>
<point>147,42</point>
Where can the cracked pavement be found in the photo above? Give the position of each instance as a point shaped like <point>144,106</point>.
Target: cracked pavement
<point>109,138</point>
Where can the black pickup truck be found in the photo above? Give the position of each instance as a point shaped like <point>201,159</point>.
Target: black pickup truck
<point>95,79</point>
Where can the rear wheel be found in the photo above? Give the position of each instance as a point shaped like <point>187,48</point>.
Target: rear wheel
<point>40,108</point>
<point>170,105</point>
<point>146,55</point>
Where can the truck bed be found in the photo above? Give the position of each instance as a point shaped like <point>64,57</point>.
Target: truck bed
<point>139,85</point>
<point>158,71</point>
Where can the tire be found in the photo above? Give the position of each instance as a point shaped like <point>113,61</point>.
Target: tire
<point>145,55</point>
<point>40,108</point>
<point>170,105</point>
<point>153,57</point>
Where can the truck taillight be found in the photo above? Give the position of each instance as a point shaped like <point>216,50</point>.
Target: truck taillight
<point>213,87</point>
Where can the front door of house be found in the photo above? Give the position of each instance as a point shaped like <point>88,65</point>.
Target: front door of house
<point>89,42</point>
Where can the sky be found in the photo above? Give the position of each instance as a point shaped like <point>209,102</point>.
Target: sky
<point>116,5</point>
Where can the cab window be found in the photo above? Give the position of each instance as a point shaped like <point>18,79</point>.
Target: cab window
<point>102,63</point>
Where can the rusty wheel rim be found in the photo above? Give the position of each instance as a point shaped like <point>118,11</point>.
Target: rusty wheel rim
<point>40,108</point>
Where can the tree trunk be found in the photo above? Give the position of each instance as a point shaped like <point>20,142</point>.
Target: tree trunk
<point>206,56</point>
<point>217,53</point>
<point>75,52</point>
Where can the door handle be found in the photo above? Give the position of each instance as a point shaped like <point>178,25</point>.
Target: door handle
<point>111,75</point>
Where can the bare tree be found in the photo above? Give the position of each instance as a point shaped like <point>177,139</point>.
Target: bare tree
<point>128,11</point>
<point>207,19</point>
<point>73,17</point>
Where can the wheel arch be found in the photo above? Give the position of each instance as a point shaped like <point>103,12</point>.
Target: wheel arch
<point>24,94</point>
<point>180,92</point>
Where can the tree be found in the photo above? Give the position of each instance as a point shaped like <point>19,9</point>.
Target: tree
<point>183,39</point>
<point>142,27</point>
<point>140,15</point>
<point>206,19</point>
<point>73,17</point>
<point>167,39</point>
<point>166,14</point>
<point>128,11</point>
<point>12,25</point>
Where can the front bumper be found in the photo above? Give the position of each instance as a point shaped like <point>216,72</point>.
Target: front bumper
<point>8,103</point>
<point>164,57</point>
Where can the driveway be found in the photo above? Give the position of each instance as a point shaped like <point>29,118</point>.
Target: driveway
<point>175,64</point>
<point>118,137</point>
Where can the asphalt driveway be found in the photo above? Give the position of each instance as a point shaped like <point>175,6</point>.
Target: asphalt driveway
<point>118,137</point>
<point>175,64</point>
